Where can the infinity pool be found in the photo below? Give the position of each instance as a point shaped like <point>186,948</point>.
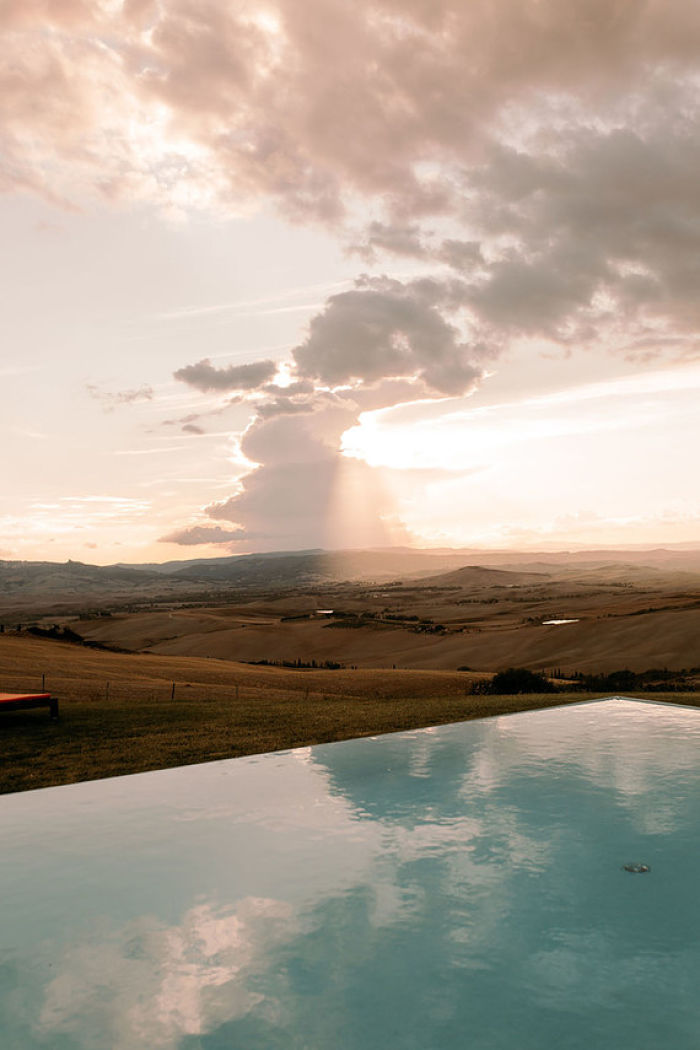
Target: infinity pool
<point>458,887</point>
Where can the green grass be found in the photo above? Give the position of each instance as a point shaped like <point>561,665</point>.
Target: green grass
<point>220,710</point>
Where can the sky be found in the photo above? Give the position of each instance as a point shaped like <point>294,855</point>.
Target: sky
<point>308,274</point>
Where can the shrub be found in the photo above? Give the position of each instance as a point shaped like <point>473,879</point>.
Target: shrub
<point>520,680</point>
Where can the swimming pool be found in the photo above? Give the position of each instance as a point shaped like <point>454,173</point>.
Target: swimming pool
<point>461,886</point>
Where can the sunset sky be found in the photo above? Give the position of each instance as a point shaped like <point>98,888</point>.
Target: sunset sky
<point>315,273</point>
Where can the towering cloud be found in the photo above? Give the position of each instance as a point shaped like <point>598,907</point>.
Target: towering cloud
<point>538,161</point>
<point>380,344</point>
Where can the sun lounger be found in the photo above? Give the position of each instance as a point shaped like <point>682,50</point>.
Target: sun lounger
<point>16,701</point>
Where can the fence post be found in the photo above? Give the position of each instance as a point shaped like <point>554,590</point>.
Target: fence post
<point>172,692</point>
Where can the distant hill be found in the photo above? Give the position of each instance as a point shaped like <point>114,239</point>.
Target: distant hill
<point>475,576</point>
<point>37,586</point>
<point>208,565</point>
<point>47,585</point>
<point>285,568</point>
<point>40,585</point>
<point>677,559</point>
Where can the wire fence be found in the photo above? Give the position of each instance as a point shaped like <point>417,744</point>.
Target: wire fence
<point>86,688</point>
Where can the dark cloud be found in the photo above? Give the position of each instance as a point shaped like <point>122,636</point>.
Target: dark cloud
<point>192,428</point>
<point>381,238</point>
<point>386,329</point>
<point>593,230</point>
<point>460,255</point>
<point>204,376</point>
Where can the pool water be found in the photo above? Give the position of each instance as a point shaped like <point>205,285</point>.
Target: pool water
<point>456,887</point>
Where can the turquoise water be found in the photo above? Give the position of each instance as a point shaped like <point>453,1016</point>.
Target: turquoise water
<point>457,887</point>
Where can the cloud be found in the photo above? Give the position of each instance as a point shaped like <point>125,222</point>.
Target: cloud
<point>541,158</point>
<point>379,344</point>
<point>201,103</point>
<point>197,534</point>
<point>593,233</point>
<point>205,376</point>
<point>168,982</point>
<point>282,406</point>
<point>115,399</point>
<point>460,255</point>
<point>561,150</point>
<point>393,238</point>
<point>384,329</point>
<point>583,235</point>
<point>304,492</point>
<point>189,423</point>
<point>332,502</point>
<point>300,386</point>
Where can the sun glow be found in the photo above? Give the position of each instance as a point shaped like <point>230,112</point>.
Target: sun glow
<point>463,439</point>
<point>570,466</point>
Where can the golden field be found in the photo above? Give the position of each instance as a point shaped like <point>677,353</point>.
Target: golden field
<point>622,616</point>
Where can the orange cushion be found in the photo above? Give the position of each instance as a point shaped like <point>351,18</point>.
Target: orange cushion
<point>6,698</point>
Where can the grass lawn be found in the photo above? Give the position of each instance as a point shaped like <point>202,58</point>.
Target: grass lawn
<point>118,715</point>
